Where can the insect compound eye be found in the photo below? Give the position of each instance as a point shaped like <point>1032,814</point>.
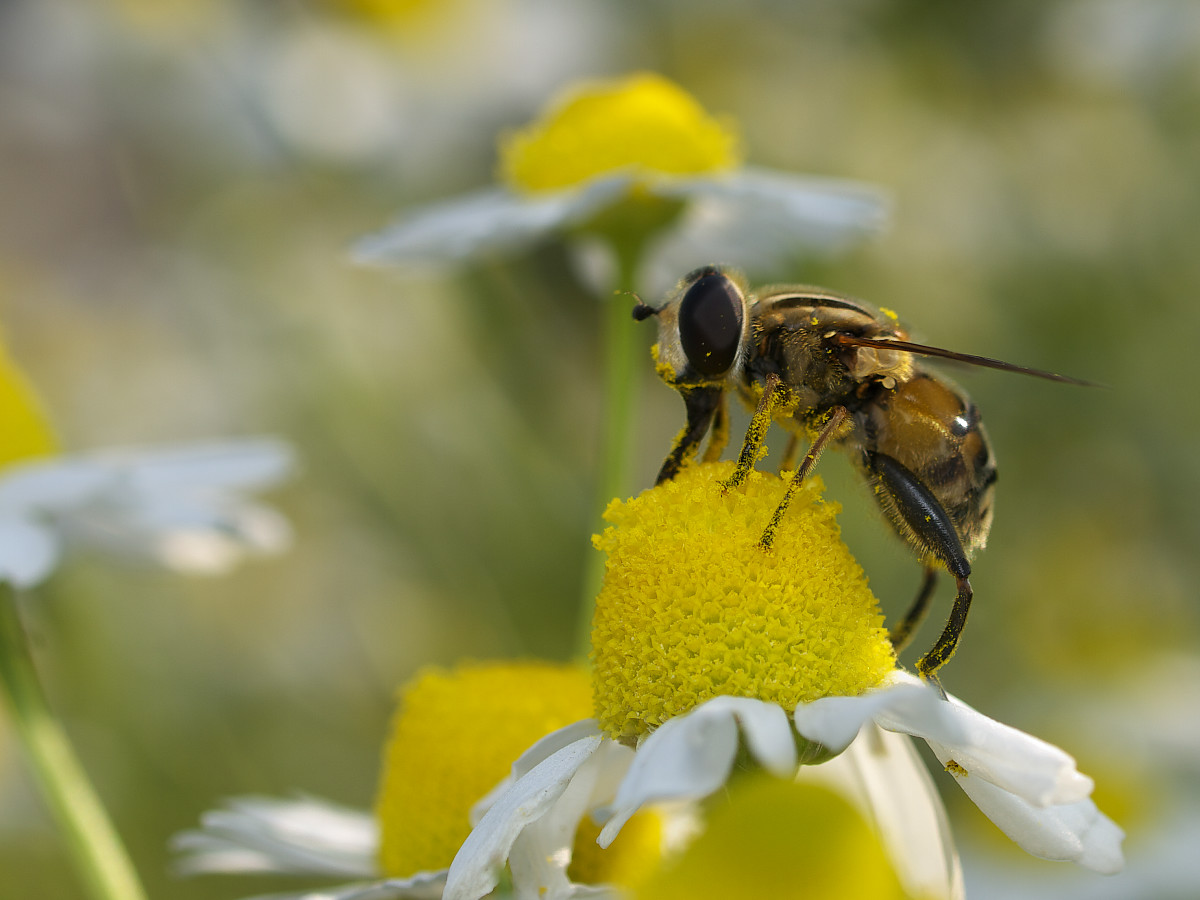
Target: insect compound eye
<point>710,324</point>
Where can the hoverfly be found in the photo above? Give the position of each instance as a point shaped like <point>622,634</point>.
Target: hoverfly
<point>838,372</point>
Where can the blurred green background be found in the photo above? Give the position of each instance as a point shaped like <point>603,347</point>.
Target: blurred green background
<point>179,182</point>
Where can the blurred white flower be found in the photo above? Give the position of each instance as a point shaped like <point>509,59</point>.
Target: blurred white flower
<point>304,836</point>
<point>639,137</point>
<point>184,507</point>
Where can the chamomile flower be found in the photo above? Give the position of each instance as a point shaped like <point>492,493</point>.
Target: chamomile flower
<point>184,507</point>
<point>453,740</point>
<point>706,646</point>
<point>640,138</point>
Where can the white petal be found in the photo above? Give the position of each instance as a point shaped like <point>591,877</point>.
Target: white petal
<point>690,756</point>
<point>810,209</point>
<point>423,886</point>
<point>29,551</point>
<point>491,220</point>
<point>1076,832</point>
<point>264,834</point>
<point>1015,761</point>
<point>990,750</point>
<point>883,775</point>
<point>766,729</point>
<point>475,869</point>
<point>835,721</point>
<point>541,854</point>
<point>552,743</point>
<point>246,464</point>
<point>53,484</point>
<point>543,748</point>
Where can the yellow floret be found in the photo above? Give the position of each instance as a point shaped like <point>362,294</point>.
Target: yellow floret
<point>25,432</point>
<point>692,607</point>
<point>643,123</point>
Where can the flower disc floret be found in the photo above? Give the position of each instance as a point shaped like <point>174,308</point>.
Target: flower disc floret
<point>643,123</point>
<point>693,607</point>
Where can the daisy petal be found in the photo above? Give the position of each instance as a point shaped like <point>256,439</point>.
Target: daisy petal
<point>817,211</point>
<point>424,886</point>
<point>247,464</point>
<point>265,834</point>
<point>1015,761</point>
<point>835,721</point>
<point>29,552</point>
<point>51,485</point>
<point>541,854</point>
<point>883,775</point>
<point>493,219</point>
<point>766,729</point>
<point>690,757</point>
<point>1075,832</point>
<point>545,747</point>
<point>475,869</point>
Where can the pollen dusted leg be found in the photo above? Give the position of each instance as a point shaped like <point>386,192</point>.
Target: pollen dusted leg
<point>928,664</point>
<point>773,392</point>
<point>832,426</point>
<point>702,404</point>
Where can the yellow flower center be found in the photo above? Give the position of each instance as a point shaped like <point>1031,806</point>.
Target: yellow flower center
<point>456,735</point>
<point>692,607</point>
<point>781,840</point>
<point>25,431</point>
<point>643,123</point>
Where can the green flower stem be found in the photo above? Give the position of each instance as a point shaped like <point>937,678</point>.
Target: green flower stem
<point>91,839</point>
<point>622,367</point>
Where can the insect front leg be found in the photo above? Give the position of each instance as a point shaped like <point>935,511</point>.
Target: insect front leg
<point>702,405</point>
<point>918,515</point>
<point>774,391</point>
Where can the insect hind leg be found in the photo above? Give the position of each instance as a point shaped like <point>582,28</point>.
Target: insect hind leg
<point>918,515</point>
<point>929,664</point>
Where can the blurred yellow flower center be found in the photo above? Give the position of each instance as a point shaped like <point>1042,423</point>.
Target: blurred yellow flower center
<point>643,123</point>
<point>455,736</point>
<point>778,839</point>
<point>24,429</point>
<point>693,608</point>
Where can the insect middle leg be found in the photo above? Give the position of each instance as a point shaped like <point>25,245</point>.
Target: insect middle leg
<point>831,428</point>
<point>774,392</point>
<point>906,627</point>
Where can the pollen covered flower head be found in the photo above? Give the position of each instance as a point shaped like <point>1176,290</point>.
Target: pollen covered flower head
<point>693,607</point>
